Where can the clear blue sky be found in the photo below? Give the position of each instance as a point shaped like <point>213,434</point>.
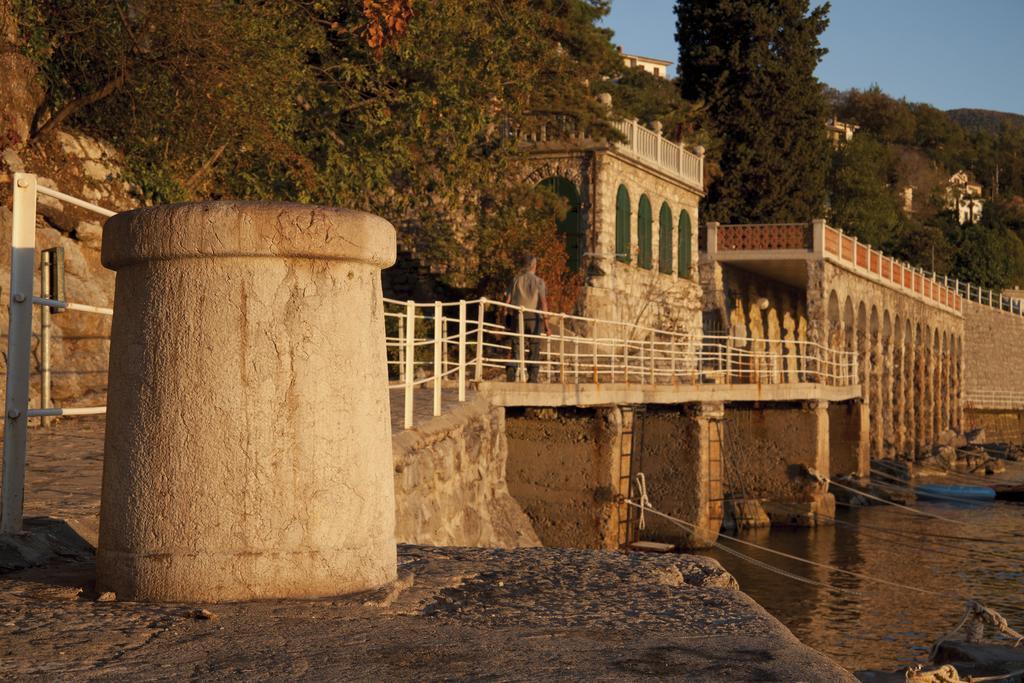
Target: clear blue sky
<point>949,54</point>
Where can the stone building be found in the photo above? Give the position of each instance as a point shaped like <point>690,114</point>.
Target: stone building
<point>631,228</point>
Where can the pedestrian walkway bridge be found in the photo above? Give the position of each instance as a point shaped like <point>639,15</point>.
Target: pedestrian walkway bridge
<point>588,361</point>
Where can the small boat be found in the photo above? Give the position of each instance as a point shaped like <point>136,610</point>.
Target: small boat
<point>956,493</point>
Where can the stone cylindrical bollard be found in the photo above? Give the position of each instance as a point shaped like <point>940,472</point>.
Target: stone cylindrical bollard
<point>248,443</point>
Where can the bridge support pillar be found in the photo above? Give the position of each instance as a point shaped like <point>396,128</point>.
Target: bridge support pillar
<point>849,439</point>
<point>768,451</point>
<point>248,444</point>
<point>681,457</point>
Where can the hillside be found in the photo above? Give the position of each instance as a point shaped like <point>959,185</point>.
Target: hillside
<point>984,119</point>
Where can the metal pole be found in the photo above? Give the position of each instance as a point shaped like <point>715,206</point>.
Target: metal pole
<point>462,351</point>
<point>561,351</point>
<point>522,343</point>
<point>45,266</point>
<point>480,339</point>
<point>410,359</point>
<point>438,355</point>
<point>19,351</point>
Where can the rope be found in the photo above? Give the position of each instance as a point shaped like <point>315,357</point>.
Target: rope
<point>646,504</point>
<point>748,558</point>
<point>976,617</point>
<point>826,480</point>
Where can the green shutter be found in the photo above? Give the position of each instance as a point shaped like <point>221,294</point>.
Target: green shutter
<point>622,221</point>
<point>685,240</point>
<point>643,231</point>
<point>665,239</point>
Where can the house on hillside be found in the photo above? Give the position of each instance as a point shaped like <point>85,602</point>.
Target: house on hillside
<point>839,132</point>
<point>658,67</point>
<point>964,196</point>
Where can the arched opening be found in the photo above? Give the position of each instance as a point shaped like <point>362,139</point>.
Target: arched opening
<point>571,226</point>
<point>665,239</point>
<point>623,221</point>
<point>685,252</point>
<point>644,220</point>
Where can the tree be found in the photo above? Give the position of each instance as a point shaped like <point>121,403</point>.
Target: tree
<point>862,199</point>
<point>407,109</point>
<point>752,63</point>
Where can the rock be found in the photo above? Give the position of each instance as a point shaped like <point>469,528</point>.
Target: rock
<point>946,438</point>
<point>745,514</point>
<point>13,161</point>
<point>203,614</point>
<point>89,233</point>
<point>106,596</point>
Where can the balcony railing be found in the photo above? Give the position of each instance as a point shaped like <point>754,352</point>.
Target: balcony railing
<point>651,147</point>
<point>844,250</point>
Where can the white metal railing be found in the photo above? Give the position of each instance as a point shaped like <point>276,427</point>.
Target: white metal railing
<point>651,147</point>
<point>430,344</point>
<point>994,399</point>
<point>19,341</point>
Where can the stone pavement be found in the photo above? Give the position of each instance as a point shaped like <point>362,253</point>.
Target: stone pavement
<point>537,613</point>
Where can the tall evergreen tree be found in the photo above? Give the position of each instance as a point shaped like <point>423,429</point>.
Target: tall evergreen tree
<point>752,63</point>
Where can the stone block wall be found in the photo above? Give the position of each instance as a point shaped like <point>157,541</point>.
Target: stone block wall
<point>681,461</point>
<point>563,469</point>
<point>768,449</point>
<point>993,349</point>
<point>624,291</point>
<point>450,485</point>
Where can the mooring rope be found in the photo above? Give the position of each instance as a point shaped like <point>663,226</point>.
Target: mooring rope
<point>645,506</point>
<point>915,511</point>
<point>645,503</point>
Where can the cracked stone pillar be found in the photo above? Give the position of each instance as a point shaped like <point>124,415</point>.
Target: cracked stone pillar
<point>248,444</point>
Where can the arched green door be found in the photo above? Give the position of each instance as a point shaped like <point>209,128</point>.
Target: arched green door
<point>645,257</point>
<point>623,226</point>
<point>685,241</point>
<point>570,227</point>
<point>665,239</point>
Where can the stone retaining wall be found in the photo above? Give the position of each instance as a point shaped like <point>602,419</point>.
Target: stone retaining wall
<point>450,484</point>
<point>993,350</point>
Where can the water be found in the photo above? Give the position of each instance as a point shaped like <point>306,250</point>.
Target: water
<point>886,627</point>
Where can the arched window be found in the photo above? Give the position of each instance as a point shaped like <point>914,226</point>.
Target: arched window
<point>685,240</point>
<point>665,239</point>
<point>623,218</point>
<point>570,228</point>
<point>643,233</point>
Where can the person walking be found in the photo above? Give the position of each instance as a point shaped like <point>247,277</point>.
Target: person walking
<point>529,291</point>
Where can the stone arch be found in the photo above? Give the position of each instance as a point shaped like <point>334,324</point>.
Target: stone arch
<point>937,384</point>
<point>899,383</point>
<point>571,227</point>
<point>916,397</point>
<point>644,237</point>
<point>886,383</point>
<point>665,239</point>
<point>833,333</point>
<point>863,347</point>
<point>849,326</point>
<point>623,226</point>
<point>874,354</point>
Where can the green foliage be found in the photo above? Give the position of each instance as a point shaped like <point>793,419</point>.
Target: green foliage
<point>313,101</point>
<point>862,200</point>
<point>752,63</point>
<point>902,144</point>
